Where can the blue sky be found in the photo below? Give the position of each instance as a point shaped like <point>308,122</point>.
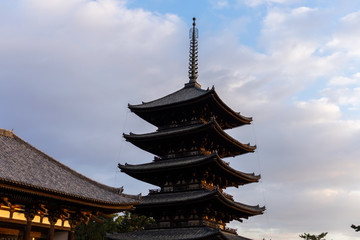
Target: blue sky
<point>68,69</point>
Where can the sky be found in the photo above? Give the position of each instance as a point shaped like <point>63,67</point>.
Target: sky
<point>69,68</point>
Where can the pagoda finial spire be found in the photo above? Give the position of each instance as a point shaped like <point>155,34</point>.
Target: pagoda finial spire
<point>193,56</point>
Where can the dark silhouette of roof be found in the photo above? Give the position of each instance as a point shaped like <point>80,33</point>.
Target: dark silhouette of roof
<point>190,233</point>
<point>198,196</point>
<point>182,95</point>
<point>148,170</point>
<point>188,96</point>
<point>151,141</point>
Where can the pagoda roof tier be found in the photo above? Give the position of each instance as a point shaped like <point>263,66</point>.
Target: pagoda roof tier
<point>155,172</point>
<point>184,233</point>
<point>189,98</point>
<point>207,136</point>
<point>26,169</point>
<point>191,198</point>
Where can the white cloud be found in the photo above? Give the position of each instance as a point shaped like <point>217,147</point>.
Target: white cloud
<point>348,97</point>
<point>52,7</point>
<point>302,11</point>
<point>255,3</point>
<point>343,81</point>
<point>348,35</point>
<point>319,111</point>
<point>219,4</point>
<point>72,74</point>
<point>351,18</point>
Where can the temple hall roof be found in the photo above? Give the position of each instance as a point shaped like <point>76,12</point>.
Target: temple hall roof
<point>189,233</point>
<point>25,168</point>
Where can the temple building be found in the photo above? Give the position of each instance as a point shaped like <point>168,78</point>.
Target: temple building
<point>40,198</point>
<point>189,146</point>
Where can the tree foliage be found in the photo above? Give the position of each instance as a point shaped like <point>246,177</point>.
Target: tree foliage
<point>126,222</point>
<point>130,222</point>
<point>308,236</point>
<point>95,230</point>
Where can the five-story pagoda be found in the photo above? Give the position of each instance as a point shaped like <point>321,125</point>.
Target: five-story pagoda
<point>189,146</point>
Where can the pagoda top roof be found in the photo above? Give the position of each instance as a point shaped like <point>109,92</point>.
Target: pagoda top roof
<point>27,169</point>
<point>186,233</point>
<point>186,96</point>
<point>180,96</point>
<point>186,162</point>
<point>198,195</point>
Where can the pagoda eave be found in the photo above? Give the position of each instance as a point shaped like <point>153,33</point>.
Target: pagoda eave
<point>185,233</point>
<point>182,96</point>
<point>161,200</point>
<point>217,99</point>
<point>228,146</point>
<point>150,111</point>
<point>155,171</point>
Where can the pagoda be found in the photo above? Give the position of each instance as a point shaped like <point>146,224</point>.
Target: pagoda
<point>189,146</point>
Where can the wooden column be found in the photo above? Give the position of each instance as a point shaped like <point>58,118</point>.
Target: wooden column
<point>74,220</point>
<point>53,218</point>
<point>71,234</point>
<point>29,215</point>
<point>28,229</point>
<point>51,231</point>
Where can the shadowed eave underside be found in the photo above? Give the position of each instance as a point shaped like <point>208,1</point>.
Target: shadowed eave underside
<point>185,97</point>
<point>188,233</point>
<point>145,171</point>
<point>203,195</point>
<point>149,141</point>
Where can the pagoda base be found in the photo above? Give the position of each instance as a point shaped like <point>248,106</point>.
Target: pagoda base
<point>186,233</point>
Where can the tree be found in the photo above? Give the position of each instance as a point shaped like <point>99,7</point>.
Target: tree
<point>356,228</point>
<point>130,222</point>
<point>308,236</point>
<point>95,229</point>
<point>126,222</point>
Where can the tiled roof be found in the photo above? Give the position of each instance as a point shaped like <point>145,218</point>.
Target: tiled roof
<point>147,140</point>
<point>179,96</point>
<point>177,163</point>
<point>191,196</point>
<point>191,233</point>
<point>25,166</point>
<point>185,97</point>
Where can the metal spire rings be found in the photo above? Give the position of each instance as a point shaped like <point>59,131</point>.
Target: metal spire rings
<point>193,56</point>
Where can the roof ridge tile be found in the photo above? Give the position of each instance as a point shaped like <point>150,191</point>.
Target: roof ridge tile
<point>6,133</point>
